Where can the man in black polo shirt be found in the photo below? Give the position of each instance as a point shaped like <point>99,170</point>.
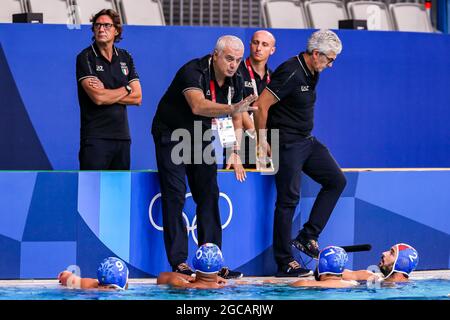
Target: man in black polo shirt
<point>202,89</point>
<point>107,82</point>
<point>256,76</point>
<point>291,96</point>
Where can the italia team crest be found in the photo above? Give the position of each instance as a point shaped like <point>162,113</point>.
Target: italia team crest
<point>124,68</point>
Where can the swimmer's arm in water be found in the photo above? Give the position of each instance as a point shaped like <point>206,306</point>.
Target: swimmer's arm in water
<point>306,283</point>
<point>221,280</point>
<point>324,284</point>
<point>70,280</point>
<point>358,275</point>
<point>166,277</point>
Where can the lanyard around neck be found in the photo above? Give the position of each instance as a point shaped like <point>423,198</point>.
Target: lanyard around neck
<point>212,87</point>
<point>252,76</point>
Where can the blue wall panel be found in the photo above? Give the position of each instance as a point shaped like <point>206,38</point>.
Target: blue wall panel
<point>53,208</point>
<point>46,259</point>
<point>15,209</point>
<point>56,235</point>
<point>385,102</point>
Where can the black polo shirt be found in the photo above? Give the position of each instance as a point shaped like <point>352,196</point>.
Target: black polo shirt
<point>105,121</point>
<point>173,109</point>
<point>260,83</point>
<point>294,87</point>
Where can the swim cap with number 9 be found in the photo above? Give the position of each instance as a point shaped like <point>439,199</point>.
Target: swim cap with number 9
<point>113,272</point>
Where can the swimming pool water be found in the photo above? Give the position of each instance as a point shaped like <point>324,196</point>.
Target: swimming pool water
<point>416,290</point>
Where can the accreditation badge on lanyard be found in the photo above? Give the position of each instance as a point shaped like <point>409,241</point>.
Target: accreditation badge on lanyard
<point>223,125</point>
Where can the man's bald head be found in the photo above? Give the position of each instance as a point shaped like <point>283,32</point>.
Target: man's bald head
<point>262,46</point>
<point>269,37</point>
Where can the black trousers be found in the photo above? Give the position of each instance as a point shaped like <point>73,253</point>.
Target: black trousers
<point>202,179</point>
<point>314,159</point>
<point>104,154</point>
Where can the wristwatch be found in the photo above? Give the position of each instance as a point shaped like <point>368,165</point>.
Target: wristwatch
<point>128,88</point>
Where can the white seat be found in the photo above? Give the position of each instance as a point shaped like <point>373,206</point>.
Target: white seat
<point>284,14</point>
<point>411,17</point>
<point>142,12</point>
<point>55,11</point>
<point>88,8</point>
<point>325,14</point>
<point>8,8</point>
<point>376,13</point>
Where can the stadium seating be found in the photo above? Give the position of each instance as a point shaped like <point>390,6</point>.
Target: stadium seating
<point>410,17</point>
<point>375,12</point>
<point>55,11</point>
<point>142,12</point>
<point>87,8</point>
<point>284,14</point>
<point>325,14</point>
<point>8,8</point>
<point>295,14</point>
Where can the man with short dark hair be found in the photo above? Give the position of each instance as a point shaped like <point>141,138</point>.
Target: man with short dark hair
<point>107,82</point>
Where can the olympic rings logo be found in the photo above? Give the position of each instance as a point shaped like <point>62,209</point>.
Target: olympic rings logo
<point>190,228</point>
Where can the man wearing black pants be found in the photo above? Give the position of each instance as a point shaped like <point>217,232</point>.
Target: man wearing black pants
<point>202,89</point>
<point>107,83</point>
<point>292,94</point>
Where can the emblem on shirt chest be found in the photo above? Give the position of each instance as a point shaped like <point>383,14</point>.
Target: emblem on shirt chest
<point>304,88</point>
<point>99,68</point>
<point>124,68</point>
<point>248,84</point>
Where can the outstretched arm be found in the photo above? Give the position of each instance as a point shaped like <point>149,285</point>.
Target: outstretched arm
<point>358,275</point>
<point>169,277</point>
<point>70,280</point>
<point>204,107</point>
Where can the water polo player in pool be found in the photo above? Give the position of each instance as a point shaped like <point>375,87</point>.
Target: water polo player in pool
<point>330,267</point>
<point>208,261</point>
<point>395,264</point>
<point>111,274</point>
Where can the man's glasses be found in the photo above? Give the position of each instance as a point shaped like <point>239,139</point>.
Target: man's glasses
<point>329,60</point>
<point>107,26</point>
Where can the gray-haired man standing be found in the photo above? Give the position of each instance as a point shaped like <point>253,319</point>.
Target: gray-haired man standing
<point>204,91</point>
<point>291,95</point>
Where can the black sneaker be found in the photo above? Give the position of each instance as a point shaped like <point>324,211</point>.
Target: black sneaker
<point>308,247</point>
<point>293,269</point>
<point>226,273</point>
<point>184,269</point>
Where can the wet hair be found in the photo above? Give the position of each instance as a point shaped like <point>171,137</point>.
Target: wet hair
<point>114,17</point>
<point>228,41</point>
<point>324,41</point>
<point>316,275</point>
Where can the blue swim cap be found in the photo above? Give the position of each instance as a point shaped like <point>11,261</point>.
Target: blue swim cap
<point>208,258</point>
<point>332,260</point>
<point>407,259</point>
<point>113,272</point>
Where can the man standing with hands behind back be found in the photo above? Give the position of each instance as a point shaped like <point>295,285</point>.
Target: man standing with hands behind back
<point>107,81</point>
